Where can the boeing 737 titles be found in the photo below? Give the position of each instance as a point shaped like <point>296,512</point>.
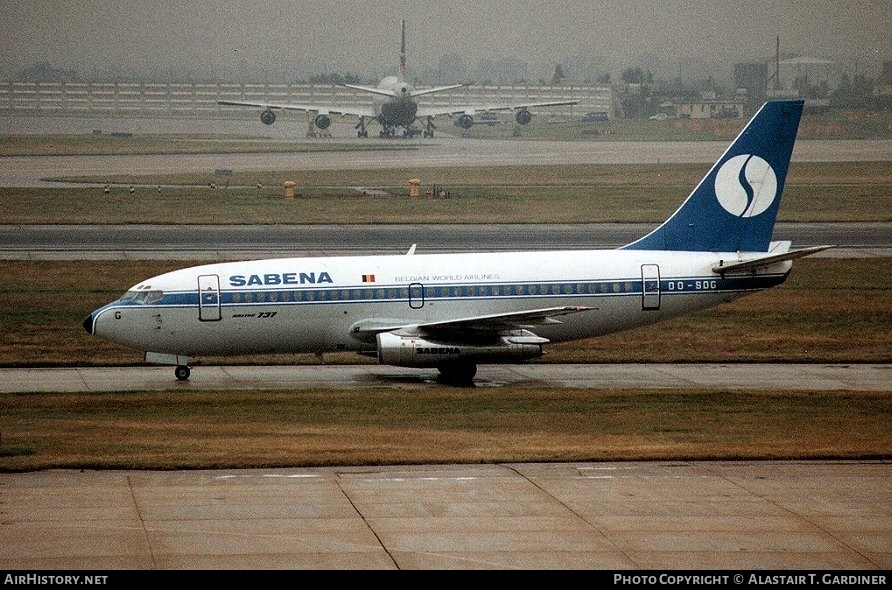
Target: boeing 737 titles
<point>452,311</point>
<point>398,108</point>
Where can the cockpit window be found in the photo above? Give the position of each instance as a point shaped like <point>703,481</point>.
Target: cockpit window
<point>143,297</point>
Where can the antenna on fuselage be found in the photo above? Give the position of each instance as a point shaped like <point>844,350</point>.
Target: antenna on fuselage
<point>403,54</point>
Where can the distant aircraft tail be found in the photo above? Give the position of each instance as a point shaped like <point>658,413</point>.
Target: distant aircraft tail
<point>734,207</point>
<point>403,54</point>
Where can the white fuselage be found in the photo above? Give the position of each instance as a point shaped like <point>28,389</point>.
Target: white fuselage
<point>298,305</point>
<point>399,110</point>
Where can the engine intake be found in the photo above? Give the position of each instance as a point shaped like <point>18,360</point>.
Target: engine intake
<point>267,117</point>
<point>523,116</point>
<point>411,351</point>
<point>322,121</point>
<point>465,121</point>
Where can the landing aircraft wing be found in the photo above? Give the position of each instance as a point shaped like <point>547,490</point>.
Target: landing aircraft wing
<point>355,110</point>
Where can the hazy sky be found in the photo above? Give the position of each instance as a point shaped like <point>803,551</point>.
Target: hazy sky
<point>296,38</point>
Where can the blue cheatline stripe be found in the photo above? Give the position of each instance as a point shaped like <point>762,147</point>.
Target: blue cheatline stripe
<point>472,291</point>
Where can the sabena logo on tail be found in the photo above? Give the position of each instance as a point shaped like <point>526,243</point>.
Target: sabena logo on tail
<point>746,185</point>
<point>734,206</point>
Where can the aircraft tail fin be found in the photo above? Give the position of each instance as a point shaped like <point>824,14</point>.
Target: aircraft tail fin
<point>735,206</point>
<point>403,54</point>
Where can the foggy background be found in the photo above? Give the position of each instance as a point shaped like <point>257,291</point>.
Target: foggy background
<point>502,41</point>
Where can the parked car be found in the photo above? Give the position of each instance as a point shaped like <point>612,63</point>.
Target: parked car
<point>596,117</point>
<point>726,114</point>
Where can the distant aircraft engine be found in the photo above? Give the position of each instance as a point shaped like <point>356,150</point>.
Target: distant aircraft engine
<point>407,351</point>
<point>523,116</point>
<point>267,117</point>
<point>466,121</point>
<point>322,121</point>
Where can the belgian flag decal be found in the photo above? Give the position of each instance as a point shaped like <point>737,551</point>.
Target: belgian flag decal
<point>368,278</point>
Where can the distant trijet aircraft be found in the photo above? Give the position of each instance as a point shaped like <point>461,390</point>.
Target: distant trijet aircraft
<point>398,109</point>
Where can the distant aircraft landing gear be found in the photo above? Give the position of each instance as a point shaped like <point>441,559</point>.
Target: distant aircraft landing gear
<point>182,372</point>
<point>429,127</point>
<point>361,130</point>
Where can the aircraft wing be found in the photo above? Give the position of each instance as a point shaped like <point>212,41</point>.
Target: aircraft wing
<point>356,110</point>
<point>473,110</point>
<point>492,323</point>
<point>502,321</point>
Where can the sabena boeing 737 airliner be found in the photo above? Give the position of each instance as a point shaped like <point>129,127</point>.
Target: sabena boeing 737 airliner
<point>452,311</point>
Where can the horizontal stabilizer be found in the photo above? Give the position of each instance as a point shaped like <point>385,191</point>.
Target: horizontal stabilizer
<point>371,90</point>
<point>437,89</point>
<point>725,266</point>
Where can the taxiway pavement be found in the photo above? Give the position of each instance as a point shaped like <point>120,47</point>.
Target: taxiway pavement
<point>742,516</point>
<point>730,376</point>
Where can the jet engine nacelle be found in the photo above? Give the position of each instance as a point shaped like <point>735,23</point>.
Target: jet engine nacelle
<point>267,117</point>
<point>411,351</point>
<point>322,121</point>
<point>523,116</point>
<point>466,121</point>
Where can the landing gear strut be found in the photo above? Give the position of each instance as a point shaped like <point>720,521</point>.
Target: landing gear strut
<point>362,131</point>
<point>429,127</point>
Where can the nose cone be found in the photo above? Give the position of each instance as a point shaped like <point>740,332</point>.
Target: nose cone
<point>88,324</point>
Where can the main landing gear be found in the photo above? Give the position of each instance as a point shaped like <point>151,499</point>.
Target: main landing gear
<point>182,372</point>
<point>429,127</point>
<point>457,373</point>
<point>361,130</point>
